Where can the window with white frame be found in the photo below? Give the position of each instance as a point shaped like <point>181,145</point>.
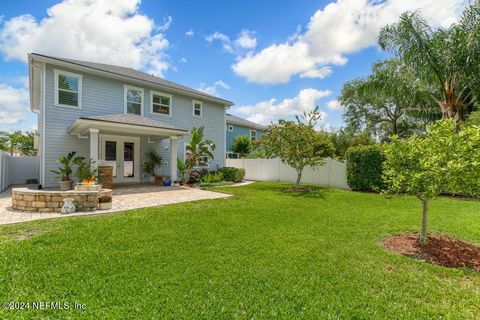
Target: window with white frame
<point>133,100</point>
<point>161,103</point>
<point>230,127</point>
<point>197,108</point>
<point>253,135</point>
<point>68,89</point>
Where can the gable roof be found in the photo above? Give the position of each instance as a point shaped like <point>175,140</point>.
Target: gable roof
<point>230,118</point>
<point>133,74</point>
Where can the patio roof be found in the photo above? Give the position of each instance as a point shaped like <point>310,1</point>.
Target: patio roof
<point>127,123</point>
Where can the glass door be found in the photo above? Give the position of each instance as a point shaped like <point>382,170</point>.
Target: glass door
<point>122,154</point>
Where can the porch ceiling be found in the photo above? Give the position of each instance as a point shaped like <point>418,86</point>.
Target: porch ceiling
<point>124,123</point>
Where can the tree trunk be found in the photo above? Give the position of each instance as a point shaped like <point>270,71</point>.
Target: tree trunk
<point>423,236</point>
<point>299,176</point>
<point>186,177</point>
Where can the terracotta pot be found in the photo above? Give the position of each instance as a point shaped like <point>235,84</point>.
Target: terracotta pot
<point>65,185</point>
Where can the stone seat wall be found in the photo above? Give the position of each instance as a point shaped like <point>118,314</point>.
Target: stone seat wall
<point>31,200</point>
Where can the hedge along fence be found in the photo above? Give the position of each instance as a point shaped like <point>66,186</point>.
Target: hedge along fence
<point>364,168</point>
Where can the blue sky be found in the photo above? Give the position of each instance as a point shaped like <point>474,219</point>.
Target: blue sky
<point>273,59</point>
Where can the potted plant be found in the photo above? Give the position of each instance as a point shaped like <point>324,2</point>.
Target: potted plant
<point>153,159</point>
<point>65,170</point>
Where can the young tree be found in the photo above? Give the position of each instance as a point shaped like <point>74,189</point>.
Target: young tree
<point>422,165</point>
<point>447,60</point>
<point>197,151</point>
<point>241,145</point>
<point>296,144</point>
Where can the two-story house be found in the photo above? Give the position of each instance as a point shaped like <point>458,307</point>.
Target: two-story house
<point>237,126</point>
<point>113,115</point>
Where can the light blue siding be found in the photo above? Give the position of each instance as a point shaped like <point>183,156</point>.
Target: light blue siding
<point>239,130</point>
<point>105,96</point>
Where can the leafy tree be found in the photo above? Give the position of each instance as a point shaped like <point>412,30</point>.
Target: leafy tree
<point>296,144</point>
<point>474,118</point>
<point>18,141</point>
<point>344,138</point>
<point>422,165</point>
<point>386,102</point>
<point>198,151</point>
<point>241,145</point>
<point>310,118</point>
<point>448,60</point>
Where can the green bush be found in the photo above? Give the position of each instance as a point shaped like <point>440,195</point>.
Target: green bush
<point>364,168</point>
<point>232,174</point>
<point>212,177</point>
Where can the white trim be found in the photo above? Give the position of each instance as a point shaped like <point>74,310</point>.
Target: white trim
<point>127,87</point>
<point>44,116</point>
<point>152,92</point>
<point>230,127</point>
<point>256,137</point>
<point>201,108</point>
<point>56,73</point>
<point>120,140</point>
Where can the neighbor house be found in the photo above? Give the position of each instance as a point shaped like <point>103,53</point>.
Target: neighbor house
<point>237,126</point>
<point>113,115</point>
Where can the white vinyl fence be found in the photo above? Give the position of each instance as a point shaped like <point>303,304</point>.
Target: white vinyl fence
<point>331,174</point>
<point>16,170</point>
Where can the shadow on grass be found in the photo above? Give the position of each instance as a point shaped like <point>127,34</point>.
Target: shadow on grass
<point>315,192</point>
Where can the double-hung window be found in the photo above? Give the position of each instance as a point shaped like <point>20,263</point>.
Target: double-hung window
<point>253,135</point>
<point>161,103</point>
<point>68,89</point>
<point>197,108</point>
<point>133,100</point>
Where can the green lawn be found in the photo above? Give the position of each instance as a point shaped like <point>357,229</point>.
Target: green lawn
<point>261,254</point>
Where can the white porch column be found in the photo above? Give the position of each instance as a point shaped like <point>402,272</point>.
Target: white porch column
<point>94,145</point>
<point>173,158</point>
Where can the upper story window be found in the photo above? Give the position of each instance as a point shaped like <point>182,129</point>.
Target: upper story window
<point>230,127</point>
<point>161,103</point>
<point>68,89</point>
<point>253,135</point>
<point>197,108</point>
<point>133,100</point>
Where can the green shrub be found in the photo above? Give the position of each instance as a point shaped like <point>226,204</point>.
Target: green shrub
<point>232,174</point>
<point>364,168</point>
<point>215,184</point>
<point>212,177</point>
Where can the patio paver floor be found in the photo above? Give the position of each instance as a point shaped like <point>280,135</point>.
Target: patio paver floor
<point>124,198</point>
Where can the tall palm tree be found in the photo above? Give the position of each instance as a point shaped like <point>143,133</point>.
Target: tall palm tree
<point>198,151</point>
<point>446,59</point>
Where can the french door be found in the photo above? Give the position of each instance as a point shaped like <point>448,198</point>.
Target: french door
<point>123,155</point>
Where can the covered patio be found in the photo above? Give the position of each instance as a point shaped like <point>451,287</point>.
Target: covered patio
<point>126,197</point>
<point>120,141</point>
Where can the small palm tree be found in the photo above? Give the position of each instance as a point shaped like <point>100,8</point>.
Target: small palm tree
<point>198,151</point>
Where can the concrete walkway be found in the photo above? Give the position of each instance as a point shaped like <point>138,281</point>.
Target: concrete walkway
<point>124,198</point>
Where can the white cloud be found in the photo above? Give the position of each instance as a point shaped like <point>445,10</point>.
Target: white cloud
<point>319,73</point>
<point>340,28</point>
<point>213,89</point>
<point>246,40</point>
<point>334,105</point>
<point>184,60</point>
<point>104,31</point>
<point>14,105</point>
<point>270,110</point>
<point>190,33</point>
<point>222,38</point>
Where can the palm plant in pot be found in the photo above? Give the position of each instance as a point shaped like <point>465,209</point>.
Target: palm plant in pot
<point>64,172</point>
<point>153,159</point>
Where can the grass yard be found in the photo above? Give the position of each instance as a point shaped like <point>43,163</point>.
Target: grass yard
<point>261,254</point>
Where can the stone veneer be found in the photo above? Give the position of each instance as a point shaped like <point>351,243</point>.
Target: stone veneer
<point>32,200</point>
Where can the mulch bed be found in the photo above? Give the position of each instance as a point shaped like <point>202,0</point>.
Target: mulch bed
<point>297,189</point>
<point>440,250</point>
